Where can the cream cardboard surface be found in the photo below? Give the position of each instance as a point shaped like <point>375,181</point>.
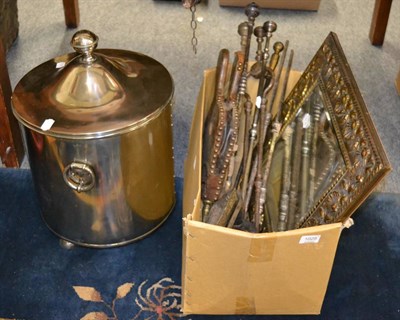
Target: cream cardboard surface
<point>225,271</point>
<point>235,272</point>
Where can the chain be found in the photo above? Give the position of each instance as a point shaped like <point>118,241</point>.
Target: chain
<point>193,25</point>
<point>191,4</point>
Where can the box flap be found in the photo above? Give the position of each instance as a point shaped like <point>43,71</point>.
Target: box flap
<point>235,272</point>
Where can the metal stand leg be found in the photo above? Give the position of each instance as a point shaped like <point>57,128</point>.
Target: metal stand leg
<point>66,244</point>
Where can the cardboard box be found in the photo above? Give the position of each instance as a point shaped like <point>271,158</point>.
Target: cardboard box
<point>312,5</point>
<point>226,271</point>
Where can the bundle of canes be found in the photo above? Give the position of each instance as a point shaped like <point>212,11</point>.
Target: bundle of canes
<point>264,74</point>
<point>262,216</point>
<point>220,210</point>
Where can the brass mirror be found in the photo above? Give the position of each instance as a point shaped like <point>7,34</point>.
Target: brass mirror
<point>328,158</point>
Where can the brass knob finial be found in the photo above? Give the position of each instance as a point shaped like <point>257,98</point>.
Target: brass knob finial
<point>84,42</point>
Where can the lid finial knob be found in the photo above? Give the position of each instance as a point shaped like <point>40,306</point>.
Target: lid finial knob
<point>84,42</point>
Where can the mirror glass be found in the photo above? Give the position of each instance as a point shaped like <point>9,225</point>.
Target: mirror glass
<point>305,160</point>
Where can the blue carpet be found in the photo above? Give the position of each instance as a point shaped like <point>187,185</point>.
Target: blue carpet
<point>40,280</point>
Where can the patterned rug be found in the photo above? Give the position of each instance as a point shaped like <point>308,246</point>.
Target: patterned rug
<point>41,280</point>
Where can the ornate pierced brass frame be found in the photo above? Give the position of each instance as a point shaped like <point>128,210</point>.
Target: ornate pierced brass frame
<point>365,162</point>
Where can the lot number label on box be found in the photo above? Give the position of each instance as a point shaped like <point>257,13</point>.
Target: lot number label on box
<point>310,239</point>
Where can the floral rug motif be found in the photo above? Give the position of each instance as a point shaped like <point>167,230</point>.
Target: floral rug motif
<point>40,280</point>
<point>160,300</point>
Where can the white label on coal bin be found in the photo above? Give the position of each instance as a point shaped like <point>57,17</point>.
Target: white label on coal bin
<point>310,239</point>
<point>60,64</point>
<point>47,124</point>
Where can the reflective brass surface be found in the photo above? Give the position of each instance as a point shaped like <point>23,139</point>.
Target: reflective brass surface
<point>147,168</point>
<point>133,191</point>
<point>103,167</point>
<point>92,93</point>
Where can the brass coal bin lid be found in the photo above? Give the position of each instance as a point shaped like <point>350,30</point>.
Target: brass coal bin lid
<point>92,93</point>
